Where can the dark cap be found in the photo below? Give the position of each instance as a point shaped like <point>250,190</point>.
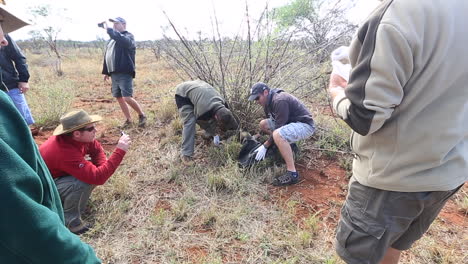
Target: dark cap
<point>118,19</point>
<point>256,90</point>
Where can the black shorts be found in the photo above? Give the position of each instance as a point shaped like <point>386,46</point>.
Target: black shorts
<point>372,220</point>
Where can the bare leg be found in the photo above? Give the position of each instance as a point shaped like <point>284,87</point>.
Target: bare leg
<point>124,107</point>
<point>392,256</point>
<point>285,150</point>
<point>134,104</point>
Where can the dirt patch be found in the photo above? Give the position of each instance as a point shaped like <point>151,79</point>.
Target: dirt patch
<point>196,254</point>
<point>162,205</point>
<point>323,192</point>
<point>320,192</point>
<point>42,136</point>
<point>451,214</point>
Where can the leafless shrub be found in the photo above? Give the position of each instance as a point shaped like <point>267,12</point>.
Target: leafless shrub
<point>233,65</point>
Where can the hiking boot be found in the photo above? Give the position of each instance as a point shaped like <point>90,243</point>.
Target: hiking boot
<point>142,120</point>
<point>186,160</point>
<point>78,227</point>
<point>288,178</point>
<point>126,124</point>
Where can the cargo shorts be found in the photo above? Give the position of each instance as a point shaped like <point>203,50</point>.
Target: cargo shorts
<point>122,85</point>
<point>293,132</point>
<point>372,220</point>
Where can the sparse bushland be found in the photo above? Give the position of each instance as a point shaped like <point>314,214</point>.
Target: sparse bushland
<point>156,210</point>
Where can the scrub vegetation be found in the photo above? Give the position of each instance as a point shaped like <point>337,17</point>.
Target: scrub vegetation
<point>156,210</point>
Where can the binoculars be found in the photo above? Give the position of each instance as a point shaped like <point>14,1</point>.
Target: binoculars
<point>101,25</point>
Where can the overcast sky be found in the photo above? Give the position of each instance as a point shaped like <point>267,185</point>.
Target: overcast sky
<point>78,19</point>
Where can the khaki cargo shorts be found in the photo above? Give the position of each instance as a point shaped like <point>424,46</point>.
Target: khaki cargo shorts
<point>372,220</point>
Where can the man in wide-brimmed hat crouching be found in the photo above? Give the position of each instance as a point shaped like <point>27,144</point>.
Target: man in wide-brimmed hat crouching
<point>78,163</point>
<point>32,226</point>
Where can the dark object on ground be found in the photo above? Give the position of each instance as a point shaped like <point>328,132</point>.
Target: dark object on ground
<point>246,157</point>
<point>141,121</point>
<point>79,227</point>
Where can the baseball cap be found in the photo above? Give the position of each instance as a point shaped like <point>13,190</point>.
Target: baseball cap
<point>257,89</point>
<point>118,19</point>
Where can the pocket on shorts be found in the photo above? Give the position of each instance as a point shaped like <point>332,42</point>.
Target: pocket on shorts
<point>358,234</point>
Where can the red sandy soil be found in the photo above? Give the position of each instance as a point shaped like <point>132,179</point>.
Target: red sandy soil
<point>324,192</point>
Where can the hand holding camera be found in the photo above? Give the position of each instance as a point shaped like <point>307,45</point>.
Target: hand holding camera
<point>124,142</point>
<point>102,24</point>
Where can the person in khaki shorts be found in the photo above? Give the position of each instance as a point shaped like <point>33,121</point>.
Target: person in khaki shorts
<point>119,65</point>
<point>406,104</point>
<point>289,121</point>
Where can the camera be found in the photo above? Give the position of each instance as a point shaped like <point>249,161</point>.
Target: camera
<point>101,25</point>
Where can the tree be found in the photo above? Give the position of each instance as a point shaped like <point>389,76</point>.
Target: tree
<point>48,31</point>
<point>321,22</point>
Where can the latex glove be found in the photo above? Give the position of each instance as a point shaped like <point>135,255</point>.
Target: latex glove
<point>261,152</point>
<point>216,140</point>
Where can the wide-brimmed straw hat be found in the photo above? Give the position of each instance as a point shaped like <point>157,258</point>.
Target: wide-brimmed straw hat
<point>75,120</point>
<point>10,22</point>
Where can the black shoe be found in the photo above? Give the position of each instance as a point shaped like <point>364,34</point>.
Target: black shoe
<point>186,160</point>
<point>288,178</point>
<point>142,120</point>
<point>79,227</point>
<point>126,124</point>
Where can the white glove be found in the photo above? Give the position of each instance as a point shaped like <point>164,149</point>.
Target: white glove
<point>216,140</point>
<point>261,151</point>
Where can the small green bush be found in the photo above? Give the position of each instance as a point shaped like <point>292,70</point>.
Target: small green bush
<point>50,100</point>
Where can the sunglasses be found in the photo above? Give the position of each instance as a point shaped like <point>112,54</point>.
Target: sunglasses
<point>89,129</point>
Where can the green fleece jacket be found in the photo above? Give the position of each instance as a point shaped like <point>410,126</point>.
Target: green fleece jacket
<point>205,99</point>
<point>32,226</point>
<point>407,96</point>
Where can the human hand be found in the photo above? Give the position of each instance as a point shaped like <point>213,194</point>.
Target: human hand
<point>124,142</point>
<point>216,140</point>
<point>106,78</point>
<point>336,85</point>
<point>23,87</point>
<point>261,152</point>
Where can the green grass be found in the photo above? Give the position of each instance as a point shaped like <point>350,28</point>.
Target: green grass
<point>50,99</point>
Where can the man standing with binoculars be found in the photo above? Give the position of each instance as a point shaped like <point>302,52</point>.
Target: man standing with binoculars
<point>119,65</point>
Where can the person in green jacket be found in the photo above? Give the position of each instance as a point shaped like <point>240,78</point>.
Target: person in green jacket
<point>200,103</point>
<point>32,226</point>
